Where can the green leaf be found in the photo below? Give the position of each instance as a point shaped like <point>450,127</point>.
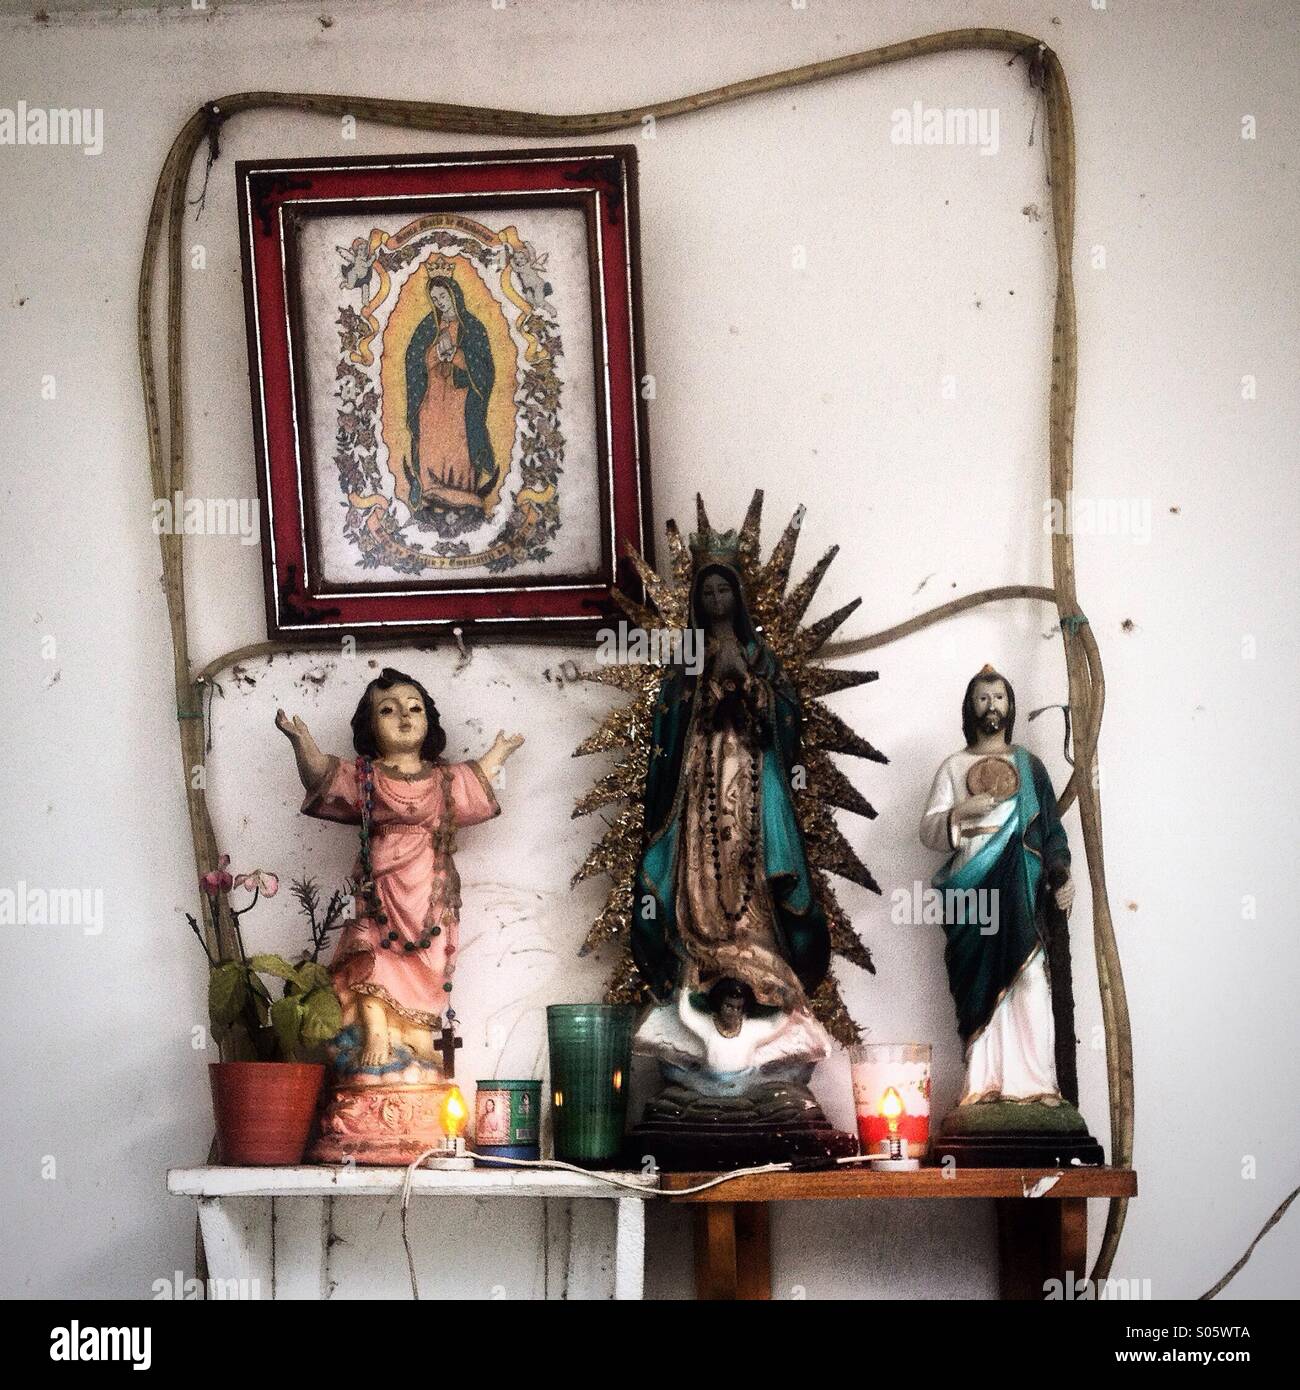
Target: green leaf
<point>275,965</point>
<point>322,1017</point>
<point>313,975</point>
<point>227,991</point>
<point>287,1019</point>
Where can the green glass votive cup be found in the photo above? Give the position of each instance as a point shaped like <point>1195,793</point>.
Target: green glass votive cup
<point>591,1054</point>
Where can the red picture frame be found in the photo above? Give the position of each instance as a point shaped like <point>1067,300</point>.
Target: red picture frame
<point>370,471</point>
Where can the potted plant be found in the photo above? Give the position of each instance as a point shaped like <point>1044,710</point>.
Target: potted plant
<point>271,1035</point>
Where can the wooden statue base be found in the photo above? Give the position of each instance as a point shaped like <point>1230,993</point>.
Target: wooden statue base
<point>776,1123</point>
<point>380,1125</point>
<point>1020,1151</point>
<point>1009,1134</point>
<point>720,1149</point>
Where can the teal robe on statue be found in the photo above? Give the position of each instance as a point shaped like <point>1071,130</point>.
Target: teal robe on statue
<point>802,933</point>
<point>1014,864</point>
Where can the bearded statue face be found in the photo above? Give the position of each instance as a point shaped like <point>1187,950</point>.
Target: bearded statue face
<point>991,705</point>
<point>988,707</point>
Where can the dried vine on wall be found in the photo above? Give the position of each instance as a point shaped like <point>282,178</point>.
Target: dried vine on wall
<point>1083,662</point>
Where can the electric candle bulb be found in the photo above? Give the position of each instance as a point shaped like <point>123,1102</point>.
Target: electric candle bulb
<point>891,1109</point>
<point>454,1113</point>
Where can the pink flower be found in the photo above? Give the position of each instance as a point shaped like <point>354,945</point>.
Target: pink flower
<point>218,881</point>
<point>259,881</point>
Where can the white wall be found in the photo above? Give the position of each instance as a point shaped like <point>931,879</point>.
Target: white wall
<point>822,385</point>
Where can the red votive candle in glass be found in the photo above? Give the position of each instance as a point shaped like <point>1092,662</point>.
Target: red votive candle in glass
<point>904,1068</point>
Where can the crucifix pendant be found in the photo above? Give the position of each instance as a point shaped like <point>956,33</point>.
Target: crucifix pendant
<point>447,1044</point>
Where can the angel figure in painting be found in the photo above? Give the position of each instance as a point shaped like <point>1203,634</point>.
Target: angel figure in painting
<point>394,963</point>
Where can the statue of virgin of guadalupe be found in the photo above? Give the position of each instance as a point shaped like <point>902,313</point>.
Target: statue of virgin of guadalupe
<point>726,926</point>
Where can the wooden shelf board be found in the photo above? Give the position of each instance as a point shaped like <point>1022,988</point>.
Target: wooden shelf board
<point>857,1184</point>
<point>846,1184</point>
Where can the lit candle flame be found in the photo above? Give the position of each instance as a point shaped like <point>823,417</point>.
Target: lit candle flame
<point>892,1108</point>
<point>454,1113</point>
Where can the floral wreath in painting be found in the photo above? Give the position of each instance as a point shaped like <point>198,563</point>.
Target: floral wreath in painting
<point>448,398</point>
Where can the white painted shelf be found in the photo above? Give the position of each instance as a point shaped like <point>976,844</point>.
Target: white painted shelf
<point>270,1232</point>
<point>319,1181</point>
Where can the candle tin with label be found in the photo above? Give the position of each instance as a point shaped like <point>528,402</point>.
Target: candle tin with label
<point>507,1119</point>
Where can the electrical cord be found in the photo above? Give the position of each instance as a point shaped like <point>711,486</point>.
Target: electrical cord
<point>643,1188</point>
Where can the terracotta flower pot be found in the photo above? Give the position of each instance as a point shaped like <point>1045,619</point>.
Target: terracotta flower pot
<point>264,1110</point>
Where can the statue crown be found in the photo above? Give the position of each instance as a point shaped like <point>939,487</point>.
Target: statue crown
<point>440,268</point>
<point>710,547</point>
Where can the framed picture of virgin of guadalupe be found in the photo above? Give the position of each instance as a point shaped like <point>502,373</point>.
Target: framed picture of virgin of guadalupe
<point>446,364</point>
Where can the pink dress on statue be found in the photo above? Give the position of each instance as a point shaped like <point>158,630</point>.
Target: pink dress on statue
<point>408,961</point>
